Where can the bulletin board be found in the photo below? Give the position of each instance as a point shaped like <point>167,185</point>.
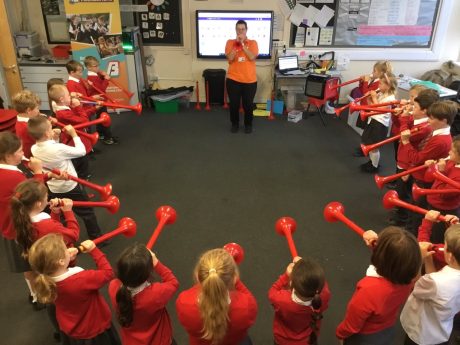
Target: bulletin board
<point>367,23</point>
<point>161,24</point>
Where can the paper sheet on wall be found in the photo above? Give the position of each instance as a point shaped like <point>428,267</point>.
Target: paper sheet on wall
<point>298,14</point>
<point>311,36</point>
<point>284,7</point>
<point>324,16</point>
<point>402,12</point>
<point>324,1</point>
<point>278,22</point>
<point>299,37</point>
<point>325,36</point>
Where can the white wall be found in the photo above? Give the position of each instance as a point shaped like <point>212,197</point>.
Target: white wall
<point>178,66</point>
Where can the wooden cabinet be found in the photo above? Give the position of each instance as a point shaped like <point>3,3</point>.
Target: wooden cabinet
<point>35,77</point>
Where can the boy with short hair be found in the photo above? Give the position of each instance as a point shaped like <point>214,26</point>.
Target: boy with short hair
<point>428,315</point>
<point>75,82</point>
<point>58,156</point>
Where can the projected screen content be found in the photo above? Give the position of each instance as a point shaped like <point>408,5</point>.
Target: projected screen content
<point>214,28</point>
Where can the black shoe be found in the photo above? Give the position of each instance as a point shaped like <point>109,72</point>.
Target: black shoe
<point>234,129</point>
<point>358,152</point>
<point>248,129</point>
<point>391,185</point>
<point>109,141</point>
<point>369,168</point>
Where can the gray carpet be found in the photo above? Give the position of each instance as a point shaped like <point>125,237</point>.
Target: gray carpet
<point>229,188</point>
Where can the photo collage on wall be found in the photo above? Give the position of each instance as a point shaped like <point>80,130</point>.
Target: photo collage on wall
<point>161,23</point>
<point>94,29</point>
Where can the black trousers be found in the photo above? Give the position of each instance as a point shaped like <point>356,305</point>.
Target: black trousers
<point>106,132</point>
<point>245,93</point>
<point>85,213</point>
<point>415,219</point>
<point>81,165</point>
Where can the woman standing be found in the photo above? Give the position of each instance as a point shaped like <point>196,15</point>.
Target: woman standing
<point>241,85</point>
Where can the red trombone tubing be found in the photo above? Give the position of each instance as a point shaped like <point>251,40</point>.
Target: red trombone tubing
<point>339,110</point>
<point>236,251</point>
<point>225,106</point>
<point>117,84</point>
<point>418,192</point>
<point>334,211</point>
<point>381,180</point>
<point>207,107</point>
<point>434,172</point>
<point>112,204</point>
<point>197,105</point>
<point>104,120</point>
<point>93,137</point>
<point>391,199</point>
<point>345,83</point>
<point>367,148</point>
<point>286,226</point>
<point>355,107</point>
<point>165,215</point>
<point>137,108</point>
<point>85,82</point>
<point>126,226</point>
<point>104,191</point>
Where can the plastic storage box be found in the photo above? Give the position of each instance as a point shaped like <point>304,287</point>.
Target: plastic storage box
<point>26,39</point>
<point>167,107</point>
<point>294,116</point>
<point>61,51</point>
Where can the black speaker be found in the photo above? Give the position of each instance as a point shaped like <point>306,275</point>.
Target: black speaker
<point>216,80</point>
<point>315,85</point>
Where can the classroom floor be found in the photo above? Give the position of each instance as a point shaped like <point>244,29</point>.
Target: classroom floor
<point>229,188</point>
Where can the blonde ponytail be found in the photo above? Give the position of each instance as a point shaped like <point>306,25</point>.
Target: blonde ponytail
<point>216,271</point>
<point>45,288</point>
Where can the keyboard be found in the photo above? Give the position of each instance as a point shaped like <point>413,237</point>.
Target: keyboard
<point>295,72</point>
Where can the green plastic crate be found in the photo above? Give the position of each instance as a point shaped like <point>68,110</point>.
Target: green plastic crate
<point>167,107</point>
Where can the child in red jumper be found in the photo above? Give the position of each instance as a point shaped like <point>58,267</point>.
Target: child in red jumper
<point>418,119</point>
<point>219,309</point>
<point>299,298</point>
<point>372,311</point>
<point>440,116</point>
<point>82,313</point>
<point>139,301</point>
<point>99,80</point>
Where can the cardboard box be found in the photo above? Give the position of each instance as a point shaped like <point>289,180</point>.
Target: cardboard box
<point>26,39</point>
<point>295,116</point>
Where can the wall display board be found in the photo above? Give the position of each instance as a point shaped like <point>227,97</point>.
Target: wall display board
<point>364,23</point>
<point>160,21</point>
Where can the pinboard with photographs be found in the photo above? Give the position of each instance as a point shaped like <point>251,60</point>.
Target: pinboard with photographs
<point>161,23</point>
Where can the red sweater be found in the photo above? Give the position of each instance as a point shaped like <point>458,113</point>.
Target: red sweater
<point>446,201</point>
<point>9,180</point>
<point>99,82</point>
<point>242,315</point>
<point>373,307</point>
<point>417,140</point>
<point>424,235</point>
<point>151,323</point>
<point>53,225</point>
<point>366,87</point>
<point>77,86</point>
<point>26,140</point>
<point>74,116</point>
<point>81,311</point>
<point>292,323</point>
<point>437,147</point>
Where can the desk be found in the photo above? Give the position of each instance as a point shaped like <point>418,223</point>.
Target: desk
<point>404,85</point>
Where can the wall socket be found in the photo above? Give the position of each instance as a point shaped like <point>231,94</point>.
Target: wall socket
<point>278,44</point>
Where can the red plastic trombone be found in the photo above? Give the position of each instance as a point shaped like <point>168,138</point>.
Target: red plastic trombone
<point>236,251</point>
<point>334,211</point>
<point>418,192</point>
<point>92,137</point>
<point>88,85</point>
<point>286,226</point>
<point>136,108</point>
<point>104,191</point>
<point>433,172</point>
<point>165,215</point>
<point>381,180</point>
<point>345,83</point>
<point>391,199</point>
<point>126,227</point>
<point>338,111</point>
<point>112,204</point>
<point>104,120</point>
<point>117,84</point>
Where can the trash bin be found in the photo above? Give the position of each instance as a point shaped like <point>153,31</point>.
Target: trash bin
<point>216,81</point>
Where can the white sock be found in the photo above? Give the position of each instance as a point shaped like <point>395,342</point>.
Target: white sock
<point>374,155</point>
<point>32,293</point>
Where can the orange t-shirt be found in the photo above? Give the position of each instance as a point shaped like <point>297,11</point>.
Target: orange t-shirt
<point>241,69</point>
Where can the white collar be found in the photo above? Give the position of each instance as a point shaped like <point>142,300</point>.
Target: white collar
<point>419,121</point>
<point>442,131</point>
<point>74,79</point>
<point>70,272</point>
<point>22,118</point>
<point>62,107</point>
<point>372,272</point>
<point>9,167</point>
<point>39,217</point>
<point>91,73</point>
<point>140,288</point>
<point>297,300</point>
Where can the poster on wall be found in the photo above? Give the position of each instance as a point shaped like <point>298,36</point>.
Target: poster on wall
<point>95,30</point>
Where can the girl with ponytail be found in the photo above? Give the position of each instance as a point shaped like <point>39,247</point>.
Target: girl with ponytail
<point>83,315</point>
<point>219,309</point>
<point>299,297</point>
<point>140,302</point>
